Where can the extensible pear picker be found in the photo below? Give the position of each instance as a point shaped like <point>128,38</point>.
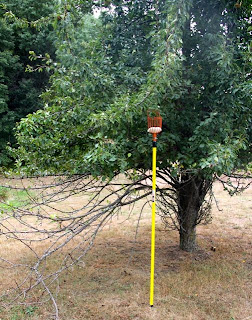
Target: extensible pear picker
<point>154,127</point>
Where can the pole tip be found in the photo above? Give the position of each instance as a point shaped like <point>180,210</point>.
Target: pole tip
<point>151,305</point>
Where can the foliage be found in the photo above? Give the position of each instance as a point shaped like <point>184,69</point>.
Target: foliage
<point>8,66</point>
<point>195,73</point>
<point>20,90</point>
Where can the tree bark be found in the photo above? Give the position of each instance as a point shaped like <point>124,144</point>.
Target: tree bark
<point>187,234</point>
<point>191,193</point>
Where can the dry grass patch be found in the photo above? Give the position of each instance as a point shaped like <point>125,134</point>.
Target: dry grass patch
<point>113,281</point>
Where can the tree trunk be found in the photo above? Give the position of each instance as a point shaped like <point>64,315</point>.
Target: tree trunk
<point>191,193</point>
<point>187,240</point>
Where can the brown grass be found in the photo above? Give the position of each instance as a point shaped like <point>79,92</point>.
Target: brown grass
<point>113,282</point>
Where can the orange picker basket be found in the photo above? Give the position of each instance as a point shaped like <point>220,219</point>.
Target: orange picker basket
<point>154,123</point>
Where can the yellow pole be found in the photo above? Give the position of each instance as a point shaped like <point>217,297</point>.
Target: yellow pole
<point>154,159</point>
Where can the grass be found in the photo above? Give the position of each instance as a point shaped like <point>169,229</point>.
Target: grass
<point>11,198</point>
<point>17,312</point>
<point>113,282</point>
<point>3,194</point>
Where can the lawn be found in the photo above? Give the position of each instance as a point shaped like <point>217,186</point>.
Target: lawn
<point>112,282</point>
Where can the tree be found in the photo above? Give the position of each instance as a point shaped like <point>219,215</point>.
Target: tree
<point>196,75</point>
<point>22,89</point>
<point>8,67</point>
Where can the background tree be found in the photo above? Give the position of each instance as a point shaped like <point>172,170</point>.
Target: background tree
<point>21,89</point>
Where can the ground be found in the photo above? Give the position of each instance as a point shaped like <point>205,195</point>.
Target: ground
<point>113,281</point>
